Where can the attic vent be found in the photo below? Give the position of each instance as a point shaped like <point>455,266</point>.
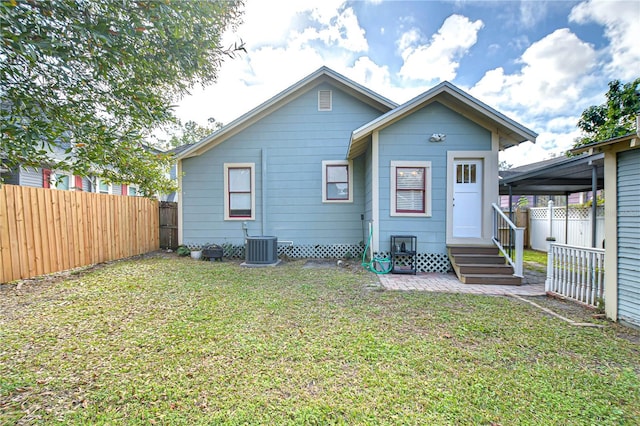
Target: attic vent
<point>324,100</point>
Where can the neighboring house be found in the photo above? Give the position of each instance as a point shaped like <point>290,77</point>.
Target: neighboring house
<point>43,177</point>
<point>319,162</point>
<point>173,172</point>
<point>622,225</point>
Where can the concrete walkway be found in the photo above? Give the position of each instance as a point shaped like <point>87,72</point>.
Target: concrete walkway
<point>533,284</point>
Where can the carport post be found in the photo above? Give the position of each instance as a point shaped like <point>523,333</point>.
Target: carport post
<point>510,204</point>
<point>566,218</point>
<point>594,202</point>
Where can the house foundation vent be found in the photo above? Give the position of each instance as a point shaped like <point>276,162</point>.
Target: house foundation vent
<point>261,250</point>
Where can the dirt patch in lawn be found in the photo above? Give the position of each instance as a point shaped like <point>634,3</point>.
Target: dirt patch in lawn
<point>332,264</point>
<point>581,313</point>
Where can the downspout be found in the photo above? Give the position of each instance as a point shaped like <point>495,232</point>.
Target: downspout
<point>264,191</point>
<point>375,191</point>
<point>180,203</point>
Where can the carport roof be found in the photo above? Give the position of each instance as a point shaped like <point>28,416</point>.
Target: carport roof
<point>557,176</point>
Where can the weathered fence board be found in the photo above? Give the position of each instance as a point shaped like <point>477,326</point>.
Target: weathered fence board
<point>168,224</point>
<point>45,230</point>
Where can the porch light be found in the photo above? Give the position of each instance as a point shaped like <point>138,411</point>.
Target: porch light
<point>438,137</point>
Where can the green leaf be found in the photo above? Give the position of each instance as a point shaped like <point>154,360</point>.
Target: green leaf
<point>89,73</point>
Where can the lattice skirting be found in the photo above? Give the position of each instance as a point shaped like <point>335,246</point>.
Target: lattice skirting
<point>426,262</point>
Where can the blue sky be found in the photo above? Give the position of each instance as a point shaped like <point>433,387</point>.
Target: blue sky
<point>539,62</point>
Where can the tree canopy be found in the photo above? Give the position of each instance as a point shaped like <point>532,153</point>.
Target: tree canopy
<point>616,117</point>
<point>187,133</point>
<point>89,80</point>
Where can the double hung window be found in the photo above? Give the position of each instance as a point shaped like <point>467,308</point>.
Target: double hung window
<point>410,188</point>
<point>239,184</point>
<point>337,181</point>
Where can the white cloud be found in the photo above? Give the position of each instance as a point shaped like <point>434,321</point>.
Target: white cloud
<point>265,23</point>
<point>548,145</point>
<point>620,20</point>
<point>341,29</point>
<point>439,58</point>
<point>279,37</point>
<point>245,83</point>
<point>556,79</point>
<point>532,12</point>
<point>369,74</point>
<point>555,72</point>
<point>407,40</point>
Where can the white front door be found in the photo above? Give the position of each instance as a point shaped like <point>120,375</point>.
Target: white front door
<point>467,199</point>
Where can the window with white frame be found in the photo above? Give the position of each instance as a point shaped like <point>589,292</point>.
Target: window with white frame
<point>133,191</point>
<point>411,188</point>
<point>337,181</point>
<point>103,187</point>
<point>239,188</point>
<point>61,181</point>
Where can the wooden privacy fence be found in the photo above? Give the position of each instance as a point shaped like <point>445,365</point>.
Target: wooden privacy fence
<point>46,230</point>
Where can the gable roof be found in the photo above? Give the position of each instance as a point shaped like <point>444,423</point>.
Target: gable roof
<point>510,132</point>
<point>178,149</point>
<point>322,75</point>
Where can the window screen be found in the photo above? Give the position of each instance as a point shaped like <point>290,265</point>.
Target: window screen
<point>410,189</point>
<point>337,182</point>
<point>240,192</point>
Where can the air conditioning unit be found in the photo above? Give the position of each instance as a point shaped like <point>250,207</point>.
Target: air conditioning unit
<point>261,250</point>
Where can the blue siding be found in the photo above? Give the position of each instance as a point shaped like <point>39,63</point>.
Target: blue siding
<point>408,140</point>
<point>31,177</point>
<point>287,147</point>
<point>628,215</point>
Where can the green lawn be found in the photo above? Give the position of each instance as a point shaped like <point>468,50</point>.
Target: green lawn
<point>535,260</point>
<point>534,256</point>
<point>177,341</point>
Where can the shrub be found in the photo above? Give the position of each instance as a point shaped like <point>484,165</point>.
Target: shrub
<point>183,251</point>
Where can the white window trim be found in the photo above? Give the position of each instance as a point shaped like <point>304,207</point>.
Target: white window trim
<point>53,180</point>
<point>97,188</point>
<point>427,187</point>
<point>330,100</point>
<point>227,166</point>
<point>137,194</point>
<point>349,165</point>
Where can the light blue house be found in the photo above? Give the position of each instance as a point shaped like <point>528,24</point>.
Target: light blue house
<point>327,160</point>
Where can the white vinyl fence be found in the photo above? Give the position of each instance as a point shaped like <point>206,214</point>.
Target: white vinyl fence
<point>576,273</point>
<point>578,227</point>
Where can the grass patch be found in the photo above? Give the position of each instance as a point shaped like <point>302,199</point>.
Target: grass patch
<point>535,260</point>
<point>175,341</point>
<point>534,256</point>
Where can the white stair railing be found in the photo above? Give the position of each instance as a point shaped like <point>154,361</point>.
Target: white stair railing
<point>576,273</point>
<point>509,238</point>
